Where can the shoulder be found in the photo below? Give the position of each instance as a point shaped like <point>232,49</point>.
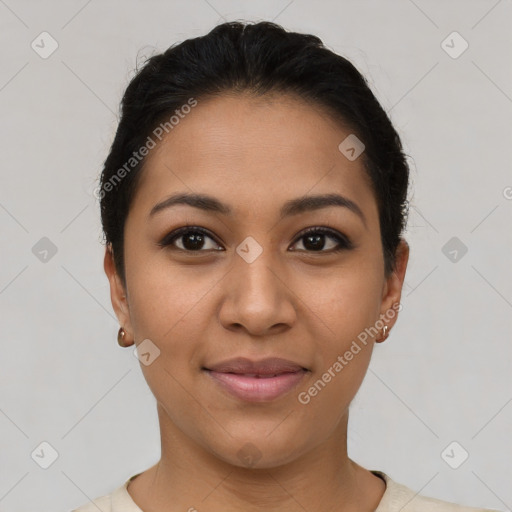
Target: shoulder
<point>118,500</point>
<point>102,504</point>
<point>398,497</point>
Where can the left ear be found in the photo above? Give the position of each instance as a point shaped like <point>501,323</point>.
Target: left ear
<point>392,289</point>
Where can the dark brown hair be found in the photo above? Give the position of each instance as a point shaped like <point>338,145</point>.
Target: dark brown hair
<point>259,58</point>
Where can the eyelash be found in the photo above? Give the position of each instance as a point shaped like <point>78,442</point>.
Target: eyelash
<point>344,242</point>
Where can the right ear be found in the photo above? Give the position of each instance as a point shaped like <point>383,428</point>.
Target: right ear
<point>117,293</point>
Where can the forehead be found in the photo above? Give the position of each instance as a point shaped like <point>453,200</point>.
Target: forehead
<point>254,151</point>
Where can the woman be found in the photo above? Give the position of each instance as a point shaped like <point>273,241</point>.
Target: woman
<point>253,204</point>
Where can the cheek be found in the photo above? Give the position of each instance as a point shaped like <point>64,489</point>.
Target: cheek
<point>172,308</point>
<point>345,308</point>
<point>167,307</point>
<point>163,297</point>
<point>344,349</point>
<point>347,302</point>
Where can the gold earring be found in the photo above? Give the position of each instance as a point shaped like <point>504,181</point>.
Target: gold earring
<point>120,338</point>
<point>385,334</point>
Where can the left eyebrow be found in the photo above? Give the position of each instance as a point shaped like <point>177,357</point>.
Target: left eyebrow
<point>311,203</point>
<point>291,207</point>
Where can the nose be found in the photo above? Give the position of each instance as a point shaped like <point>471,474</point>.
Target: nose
<point>257,298</point>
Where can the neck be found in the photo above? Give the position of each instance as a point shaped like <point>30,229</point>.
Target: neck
<point>192,479</point>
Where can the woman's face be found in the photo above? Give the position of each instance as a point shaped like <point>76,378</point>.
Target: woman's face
<point>251,285</point>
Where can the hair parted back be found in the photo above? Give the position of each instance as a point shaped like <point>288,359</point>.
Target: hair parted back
<point>259,58</point>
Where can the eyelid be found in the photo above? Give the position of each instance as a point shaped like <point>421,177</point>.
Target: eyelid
<point>170,237</point>
<point>343,241</point>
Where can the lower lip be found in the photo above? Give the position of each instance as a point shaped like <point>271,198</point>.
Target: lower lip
<point>253,389</point>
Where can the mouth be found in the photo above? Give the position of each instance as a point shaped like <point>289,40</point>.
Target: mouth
<point>256,381</point>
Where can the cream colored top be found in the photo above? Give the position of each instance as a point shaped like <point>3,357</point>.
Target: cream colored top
<point>396,498</point>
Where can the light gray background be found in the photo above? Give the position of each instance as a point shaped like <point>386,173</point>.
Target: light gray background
<point>445,372</point>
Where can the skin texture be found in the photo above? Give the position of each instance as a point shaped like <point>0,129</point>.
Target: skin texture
<point>200,308</point>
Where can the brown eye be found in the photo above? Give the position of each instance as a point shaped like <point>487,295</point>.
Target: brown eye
<point>314,240</point>
<point>192,238</point>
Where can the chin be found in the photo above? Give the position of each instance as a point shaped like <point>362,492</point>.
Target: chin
<point>258,450</point>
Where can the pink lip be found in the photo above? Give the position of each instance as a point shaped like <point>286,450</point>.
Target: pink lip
<point>259,381</point>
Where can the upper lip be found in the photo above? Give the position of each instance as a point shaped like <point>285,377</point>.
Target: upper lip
<point>269,366</point>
